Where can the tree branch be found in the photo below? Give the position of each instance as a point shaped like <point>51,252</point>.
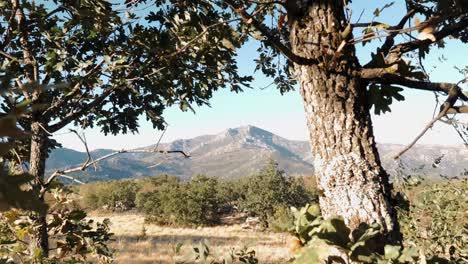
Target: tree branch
<point>367,24</point>
<point>87,164</point>
<point>415,44</point>
<point>85,143</point>
<point>8,56</point>
<point>382,76</point>
<point>60,103</point>
<point>269,38</point>
<point>451,99</point>
<point>390,40</point>
<point>73,115</point>
<point>458,110</point>
<point>92,162</point>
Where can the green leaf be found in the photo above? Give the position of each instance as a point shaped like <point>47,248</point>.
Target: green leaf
<point>392,252</point>
<point>59,66</point>
<point>381,97</point>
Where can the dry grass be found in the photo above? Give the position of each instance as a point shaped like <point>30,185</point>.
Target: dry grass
<point>157,244</point>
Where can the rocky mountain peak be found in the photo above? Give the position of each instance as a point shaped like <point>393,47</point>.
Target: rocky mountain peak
<point>241,151</point>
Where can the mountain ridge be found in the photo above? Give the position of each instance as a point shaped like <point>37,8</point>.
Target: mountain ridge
<point>241,151</point>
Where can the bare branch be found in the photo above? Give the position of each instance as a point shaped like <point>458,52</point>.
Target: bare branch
<point>8,56</point>
<point>69,177</point>
<point>452,122</point>
<point>87,164</point>
<point>367,24</point>
<point>85,143</point>
<point>159,140</point>
<point>157,164</point>
<point>451,99</point>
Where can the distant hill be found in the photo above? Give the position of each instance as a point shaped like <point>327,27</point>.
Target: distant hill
<point>238,152</point>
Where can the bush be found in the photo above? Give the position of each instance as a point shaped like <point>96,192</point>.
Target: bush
<point>113,195</point>
<point>281,220</point>
<point>436,219</point>
<point>176,203</point>
<point>270,189</point>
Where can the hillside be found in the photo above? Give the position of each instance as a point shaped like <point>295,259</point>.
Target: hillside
<point>237,152</point>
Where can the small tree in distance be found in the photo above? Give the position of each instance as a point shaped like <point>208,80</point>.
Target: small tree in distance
<point>268,190</point>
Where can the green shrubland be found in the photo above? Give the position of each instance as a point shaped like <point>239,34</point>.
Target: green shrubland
<point>201,200</point>
<point>432,215</point>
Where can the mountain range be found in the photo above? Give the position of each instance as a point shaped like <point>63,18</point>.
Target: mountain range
<point>241,151</point>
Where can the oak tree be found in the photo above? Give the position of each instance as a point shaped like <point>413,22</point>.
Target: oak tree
<point>92,63</point>
<point>318,40</point>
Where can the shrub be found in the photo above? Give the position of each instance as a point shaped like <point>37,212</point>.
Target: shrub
<point>281,220</point>
<point>113,195</point>
<point>436,219</point>
<point>176,203</point>
<point>271,189</point>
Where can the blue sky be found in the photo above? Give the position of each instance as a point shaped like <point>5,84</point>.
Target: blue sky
<point>284,115</point>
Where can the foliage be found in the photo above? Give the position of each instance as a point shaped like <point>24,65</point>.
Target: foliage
<point>15,190</point>
<point>182,203</point>
<point>202,254</point>
<point>113,195</point>
<point>202,200</point>
<point>270,189</point>
<point>127,64</point>
<point>434,231</point>
<point>281,220</point>
<point>326,240</point>
<point>436,219</point>
<point>77,239</point>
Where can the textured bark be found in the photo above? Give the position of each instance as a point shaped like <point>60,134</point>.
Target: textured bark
<point>38,156</point>
<point>348,169</point>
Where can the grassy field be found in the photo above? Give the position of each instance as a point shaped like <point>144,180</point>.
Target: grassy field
<point>137,242</point>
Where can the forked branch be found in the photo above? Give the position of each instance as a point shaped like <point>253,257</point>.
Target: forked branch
<point>93,162</point>
<point>448,104</point>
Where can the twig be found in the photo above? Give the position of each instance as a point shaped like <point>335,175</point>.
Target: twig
<point>157,164</point>
<point>452,122</point>
<point>45,130</point>
<point>20,161</point>
<point>159,140</point>
<point>8,56</point>
<point>85,143</point>
<point>70,178</point>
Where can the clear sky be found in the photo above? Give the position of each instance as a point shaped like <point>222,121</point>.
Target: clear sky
<point>284,115</point>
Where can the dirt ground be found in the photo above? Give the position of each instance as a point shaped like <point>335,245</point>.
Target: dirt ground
<point>137,242</point>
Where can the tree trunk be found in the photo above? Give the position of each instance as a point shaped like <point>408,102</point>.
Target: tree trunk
<point>38,156</point>
<point>349,173</point>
